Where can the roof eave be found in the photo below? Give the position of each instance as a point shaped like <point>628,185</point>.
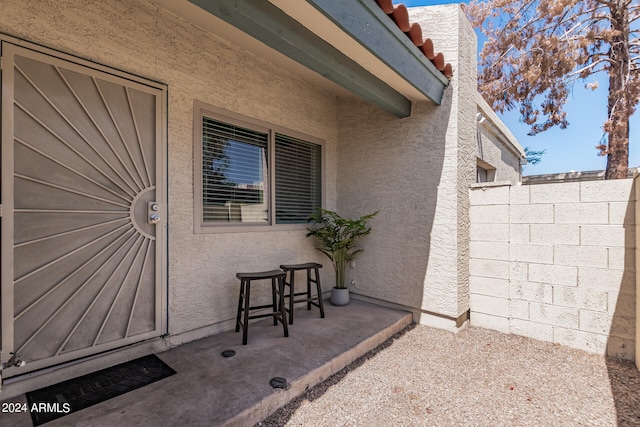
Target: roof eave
<point>273,27</point>
<point>390,73</point>
<point>365,22</point>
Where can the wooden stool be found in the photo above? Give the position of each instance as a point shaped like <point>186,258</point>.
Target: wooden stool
<point>291,269</point>
<point>244,304</point>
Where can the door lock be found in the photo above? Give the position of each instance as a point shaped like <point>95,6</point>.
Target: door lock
<point>152,216</point>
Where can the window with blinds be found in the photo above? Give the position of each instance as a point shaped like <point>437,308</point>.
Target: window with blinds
<point>256,174</point>
<point>297,179</point>
<point>235,175</point>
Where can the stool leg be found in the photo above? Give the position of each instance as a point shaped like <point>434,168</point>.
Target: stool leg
<point>274,301</point>
<point>308,289</point>
<point>319,288</point>
<point>283,313</point>
<point>245,329</point>
<point>292,287</point>
<point>240,295</point>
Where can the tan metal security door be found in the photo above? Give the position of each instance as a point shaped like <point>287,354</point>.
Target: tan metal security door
<point>83,209</point>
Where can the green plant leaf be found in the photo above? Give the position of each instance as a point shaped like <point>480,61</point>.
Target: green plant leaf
<point>337,237</point>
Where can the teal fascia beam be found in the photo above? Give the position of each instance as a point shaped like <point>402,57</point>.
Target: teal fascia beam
<point>365,22</point>
<point>268,24</point>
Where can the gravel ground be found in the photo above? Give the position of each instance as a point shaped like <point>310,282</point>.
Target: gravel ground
<point>431,377</point>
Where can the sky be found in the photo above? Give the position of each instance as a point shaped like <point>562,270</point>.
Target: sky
<point>573,148</point>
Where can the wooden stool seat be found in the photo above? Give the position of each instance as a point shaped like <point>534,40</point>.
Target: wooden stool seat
<point>316,300</point>
<point>244,304</point>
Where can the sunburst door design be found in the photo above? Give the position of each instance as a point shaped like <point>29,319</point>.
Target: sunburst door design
<point>83,210</point>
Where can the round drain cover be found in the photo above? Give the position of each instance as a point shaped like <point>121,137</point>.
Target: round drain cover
<point>228,353</point>
<point>278,382</point>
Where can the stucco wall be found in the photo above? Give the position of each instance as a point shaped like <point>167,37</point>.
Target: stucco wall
<point>556,262</point>
<point>416,172</point>
<point>505,162</point>
<point>138,37</point>
<point>497,147</point>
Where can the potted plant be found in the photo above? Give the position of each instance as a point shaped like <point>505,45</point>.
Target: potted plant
<point>337,238</point>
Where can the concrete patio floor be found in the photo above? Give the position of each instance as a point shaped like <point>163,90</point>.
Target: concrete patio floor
<point>210,390</point>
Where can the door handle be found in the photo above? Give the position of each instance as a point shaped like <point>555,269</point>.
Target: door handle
<point>152,209</point>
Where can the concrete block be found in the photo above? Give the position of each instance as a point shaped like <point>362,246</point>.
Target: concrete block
<point>566,317</point>
<point>518,270</point>
<point>527,252</point>
<point>489,196</point>
<point>589,299</point>
<point>587,256</point>
<point>489,232</point>
<point>595,321</point>
<point>489,305</point>
<point>518,309</point>
<point>553,274</point>
<point>582,213</point>
<point>621,259</point>
<point>606,191</point>
<point>563,234</point>
<point>531,214</point>
<point>489,250</point>
<point>622,213</point>
<point>606,280</point>
<point>520,195</point>
<point>531,291</point>
<point>586,341</point>
<point>489,268</point>
<point>519,233</point>
<point>530,329</point>
<point>566,192</point>
<point>489,214</point>
<point>489,286</point>
<point>622,348</point>
<point>621,304</point>
<point>495,323</point>
<point>608,235</point>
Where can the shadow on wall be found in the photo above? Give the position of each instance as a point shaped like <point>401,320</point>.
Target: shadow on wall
<point>623,323</point>
<point>394,166</point>
<point>624,376</point>
<point>622,333</point>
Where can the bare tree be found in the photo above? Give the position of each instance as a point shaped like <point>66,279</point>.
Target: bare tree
<point>537,49</point>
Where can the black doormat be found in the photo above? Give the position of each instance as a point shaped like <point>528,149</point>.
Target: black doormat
<point>61,399</point>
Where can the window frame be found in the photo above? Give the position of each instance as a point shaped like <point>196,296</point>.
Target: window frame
<point>201,110</point>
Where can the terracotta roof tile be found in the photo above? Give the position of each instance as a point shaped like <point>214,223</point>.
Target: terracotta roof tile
<point>415,34</point>
<point>400,15</point>
<point>427,49</point>
<point>386,6</point>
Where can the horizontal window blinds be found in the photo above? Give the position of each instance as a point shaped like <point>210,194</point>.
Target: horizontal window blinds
<point>235,176</point>
<point>298,177</point>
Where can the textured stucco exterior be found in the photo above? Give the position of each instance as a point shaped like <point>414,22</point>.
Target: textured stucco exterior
<point>416,172</point>
<point>140,38</point>
<point>498,150</point>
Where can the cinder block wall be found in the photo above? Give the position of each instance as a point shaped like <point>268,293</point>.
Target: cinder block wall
<point>556,262</point>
